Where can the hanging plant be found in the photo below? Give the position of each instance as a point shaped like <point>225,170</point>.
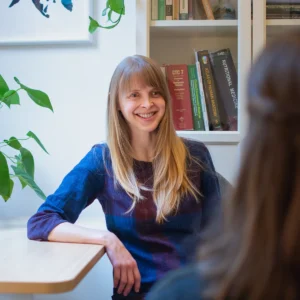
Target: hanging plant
<point>112,7</point>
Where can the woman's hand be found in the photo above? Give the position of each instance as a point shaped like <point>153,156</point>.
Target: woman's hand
<point>126,272</point>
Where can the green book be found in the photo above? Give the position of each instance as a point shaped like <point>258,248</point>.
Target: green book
<point>195,98</point>
<point>161,9</point>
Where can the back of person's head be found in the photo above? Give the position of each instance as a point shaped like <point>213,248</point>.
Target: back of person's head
<point>257,252</point>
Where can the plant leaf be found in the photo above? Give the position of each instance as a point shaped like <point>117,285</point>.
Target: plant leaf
<point>14,143</point>
<point>104,11</point>
<point>20,166</point>
<point>39,97</point>
<point>11,97</point>
<point>32,135</point>
<point>10,191</point>
<point>117,6</point>
<point>29,181</point>
<point>93,25</point>
<point>3,86</point>
<point>27,161</point>
<point>4,177</point>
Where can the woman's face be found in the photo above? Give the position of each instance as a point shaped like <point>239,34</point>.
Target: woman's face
<point>143,107</point>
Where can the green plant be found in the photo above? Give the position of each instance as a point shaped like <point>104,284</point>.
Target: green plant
<point>22,164</point>
<point>112,6</point>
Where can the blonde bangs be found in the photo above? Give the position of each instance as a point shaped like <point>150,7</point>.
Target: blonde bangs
<point>144,74</point>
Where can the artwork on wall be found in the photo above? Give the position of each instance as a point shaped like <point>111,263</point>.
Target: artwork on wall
<point>44,21</point>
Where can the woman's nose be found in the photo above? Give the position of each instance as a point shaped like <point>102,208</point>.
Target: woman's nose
<point>147,102</point>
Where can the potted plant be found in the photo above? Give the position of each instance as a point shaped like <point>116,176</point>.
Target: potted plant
<point>21,165</point>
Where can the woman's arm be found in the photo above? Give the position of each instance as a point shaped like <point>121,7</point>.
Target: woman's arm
<point>54,219</point>
<point>78,189</point>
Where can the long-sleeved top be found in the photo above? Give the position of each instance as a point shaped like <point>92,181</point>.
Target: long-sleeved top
<point>157,248</point>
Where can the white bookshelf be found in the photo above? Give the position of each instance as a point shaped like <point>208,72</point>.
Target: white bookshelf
<point>265,30</point>
<point>192,27</point>
<point>277,26</point>
<point>173,41</point>
<point>213,137</point>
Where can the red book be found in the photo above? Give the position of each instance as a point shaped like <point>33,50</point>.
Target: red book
<point>178,83</point>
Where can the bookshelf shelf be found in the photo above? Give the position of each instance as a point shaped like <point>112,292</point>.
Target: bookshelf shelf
<point>213,137</point>
<point>276,26</point>
<point>192,27</point>
<point>283,22</point>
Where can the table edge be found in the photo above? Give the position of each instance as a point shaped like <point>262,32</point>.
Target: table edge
<point>50,287</point>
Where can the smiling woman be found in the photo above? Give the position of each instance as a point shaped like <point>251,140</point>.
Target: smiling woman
<point>156,189</point>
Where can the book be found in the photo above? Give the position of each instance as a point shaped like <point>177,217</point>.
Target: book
<point>183,9</point>
<point>208,10</point>
<point>225,76</point>
<point>190,10</point>
<point>169,9</point>
<point>154,9</point>
<point>161,9</point>
<point>175,9</point>
<point>195,98</point>
<point>178,83</point>
<point>210,91</point>
<point>202,94</point>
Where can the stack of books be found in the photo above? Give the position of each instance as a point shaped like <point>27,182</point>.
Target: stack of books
<point>181,10</point>
<point>283,9</point>
<point>204,94</point>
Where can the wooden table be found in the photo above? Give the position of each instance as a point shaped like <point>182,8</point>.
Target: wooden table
<point>31,267</point>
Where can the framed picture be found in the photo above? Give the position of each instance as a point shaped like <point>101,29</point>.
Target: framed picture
<point>45,22</point>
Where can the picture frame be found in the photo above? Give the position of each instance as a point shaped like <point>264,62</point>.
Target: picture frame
<point>24,24</point>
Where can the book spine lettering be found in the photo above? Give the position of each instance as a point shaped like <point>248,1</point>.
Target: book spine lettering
<point>226,83</point>
<point>195,97</point>
<point>209,89</point>
<point>202,94</point>
<point>178,83</point>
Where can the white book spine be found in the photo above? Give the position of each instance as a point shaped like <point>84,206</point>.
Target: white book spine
<point>154,9</point>
<point>202,95</point>
<point>183,9</point>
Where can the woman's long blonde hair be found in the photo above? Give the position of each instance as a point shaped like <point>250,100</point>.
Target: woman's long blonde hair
<point>256,254</point>
<point>170,180</point>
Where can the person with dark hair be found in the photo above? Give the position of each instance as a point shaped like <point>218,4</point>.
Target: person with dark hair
<point>254,253</point>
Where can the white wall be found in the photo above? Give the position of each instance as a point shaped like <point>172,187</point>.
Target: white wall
<point>76,78</point>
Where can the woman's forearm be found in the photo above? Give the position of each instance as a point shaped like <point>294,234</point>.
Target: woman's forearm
<point>71,233</point>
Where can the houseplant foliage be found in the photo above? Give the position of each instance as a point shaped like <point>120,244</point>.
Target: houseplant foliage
<point>112,6</point>
<point>21,164</point>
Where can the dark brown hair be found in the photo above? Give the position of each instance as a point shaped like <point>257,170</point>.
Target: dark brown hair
<point>256,254</point>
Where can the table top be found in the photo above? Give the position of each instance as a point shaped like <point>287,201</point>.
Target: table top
<point>32,267</point>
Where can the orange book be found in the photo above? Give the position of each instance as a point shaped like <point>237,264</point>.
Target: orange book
<point>208,10</point>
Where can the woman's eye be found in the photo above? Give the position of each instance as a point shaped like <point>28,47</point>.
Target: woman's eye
<point>155,94</point>
<point>134,95</point>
